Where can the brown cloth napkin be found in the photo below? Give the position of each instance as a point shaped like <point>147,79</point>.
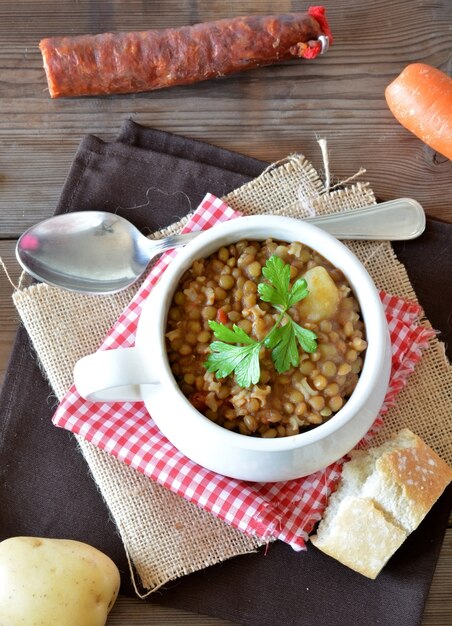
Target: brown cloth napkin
<point>45,485</point>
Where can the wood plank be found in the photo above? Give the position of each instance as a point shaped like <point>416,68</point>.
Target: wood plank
<point>438,610</point>
<point>267,113</point>
<point>132,612</point>
<point>9,319</point>
<point>280,109</point>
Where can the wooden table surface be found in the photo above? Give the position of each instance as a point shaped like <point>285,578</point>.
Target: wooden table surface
<point>267,113</point>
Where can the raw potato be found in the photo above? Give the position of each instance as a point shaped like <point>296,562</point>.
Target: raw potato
<point>323,298</point>
<point>55,582</point>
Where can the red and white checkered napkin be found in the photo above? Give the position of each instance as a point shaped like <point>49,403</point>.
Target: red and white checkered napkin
<point>285,510</point>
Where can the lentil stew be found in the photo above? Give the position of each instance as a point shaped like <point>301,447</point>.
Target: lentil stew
<point>224,287</point>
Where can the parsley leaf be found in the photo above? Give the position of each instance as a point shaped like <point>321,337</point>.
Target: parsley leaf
<point>243,360</point>
<point>284,347</point>
<point>278,274</point>
<point>228,357</point>
<point>298,292</point>
<point>306,338</point>
<point>236,335</point>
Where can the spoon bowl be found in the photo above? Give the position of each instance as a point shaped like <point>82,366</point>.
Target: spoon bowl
<point>97,252</point>
<point>90,251</point>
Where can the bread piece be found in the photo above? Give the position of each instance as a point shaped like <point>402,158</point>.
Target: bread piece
<point>384,494</point>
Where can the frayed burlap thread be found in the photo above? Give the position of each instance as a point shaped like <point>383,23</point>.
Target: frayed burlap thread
<point>165,536</point>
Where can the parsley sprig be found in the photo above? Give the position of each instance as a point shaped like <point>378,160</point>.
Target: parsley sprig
<point>236,352</point>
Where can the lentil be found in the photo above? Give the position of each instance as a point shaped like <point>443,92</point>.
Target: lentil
<point>224,287</point>
<point>226,281</point>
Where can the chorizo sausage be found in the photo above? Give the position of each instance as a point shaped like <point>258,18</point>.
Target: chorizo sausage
<point>113,63</point>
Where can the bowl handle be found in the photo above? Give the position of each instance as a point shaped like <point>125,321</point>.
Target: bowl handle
<point>114,375</point>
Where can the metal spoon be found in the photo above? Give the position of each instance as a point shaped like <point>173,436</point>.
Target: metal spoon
<point>97,252</point>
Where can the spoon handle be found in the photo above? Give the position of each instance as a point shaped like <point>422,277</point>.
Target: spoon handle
<point>393,220</point>
<point>156,246</point>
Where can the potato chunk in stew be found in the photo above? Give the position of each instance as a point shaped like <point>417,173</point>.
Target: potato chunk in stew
<point>323,298</point>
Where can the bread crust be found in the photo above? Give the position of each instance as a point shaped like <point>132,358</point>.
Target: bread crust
<point>384,494</point>
<point>419,471</point>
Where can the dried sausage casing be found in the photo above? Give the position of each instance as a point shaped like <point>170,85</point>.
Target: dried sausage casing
<point>112,63</point>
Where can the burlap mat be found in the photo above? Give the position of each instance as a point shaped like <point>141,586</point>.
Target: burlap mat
<point>164,536</point>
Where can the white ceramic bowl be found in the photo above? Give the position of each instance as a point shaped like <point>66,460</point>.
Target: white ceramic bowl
<point>144,373</point>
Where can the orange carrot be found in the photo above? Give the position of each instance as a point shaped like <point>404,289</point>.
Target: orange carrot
<point>420,98</point>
